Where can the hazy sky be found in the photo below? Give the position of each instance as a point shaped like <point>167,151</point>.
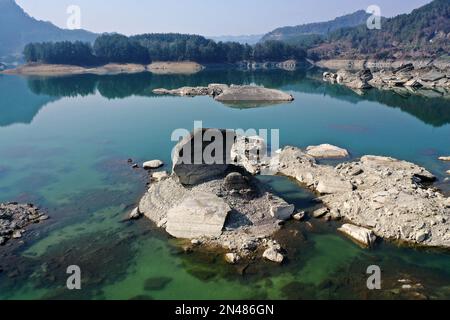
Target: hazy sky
<point>206,17</point>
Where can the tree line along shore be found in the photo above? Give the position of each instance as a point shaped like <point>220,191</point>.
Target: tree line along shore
<point>143,49</point>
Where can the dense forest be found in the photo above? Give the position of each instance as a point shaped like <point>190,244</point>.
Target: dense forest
<point>142,49</point>
<point>425,32</point>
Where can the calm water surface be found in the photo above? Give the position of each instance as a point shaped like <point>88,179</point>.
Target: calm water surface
<point>64,145</point>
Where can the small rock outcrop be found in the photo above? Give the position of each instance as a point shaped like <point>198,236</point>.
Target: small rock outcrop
<point>233,93</point>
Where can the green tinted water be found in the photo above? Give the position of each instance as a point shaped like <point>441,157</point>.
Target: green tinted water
<point>64,145</point>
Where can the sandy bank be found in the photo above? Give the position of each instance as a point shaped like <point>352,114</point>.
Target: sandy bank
<point>185,67</point>
<point>112,68</point>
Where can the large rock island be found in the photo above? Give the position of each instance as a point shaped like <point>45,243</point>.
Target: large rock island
<point>218,205</point>
<point>225,205</point>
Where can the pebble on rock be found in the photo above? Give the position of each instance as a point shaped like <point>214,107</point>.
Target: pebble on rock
<point>273,255</point>
<point>232,258</point>
<point>319,213</point>
<point>299,216</point>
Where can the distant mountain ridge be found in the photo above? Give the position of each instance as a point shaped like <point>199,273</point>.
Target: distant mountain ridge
<point>290,34</point>
<point>423,33</point>
<point>17,29</point>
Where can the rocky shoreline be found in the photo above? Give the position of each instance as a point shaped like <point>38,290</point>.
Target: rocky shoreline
<point>37,69</point>
<point>226,206</point>
<point>405,76</point>
<point>14,218</point>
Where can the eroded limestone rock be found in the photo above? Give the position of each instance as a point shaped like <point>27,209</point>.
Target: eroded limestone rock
<point>201,214</point>
<point>361,235</point>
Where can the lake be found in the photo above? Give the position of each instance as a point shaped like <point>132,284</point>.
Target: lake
<point>65,144</point>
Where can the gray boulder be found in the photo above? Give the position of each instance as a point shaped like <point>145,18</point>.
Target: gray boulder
<point>190,165</point>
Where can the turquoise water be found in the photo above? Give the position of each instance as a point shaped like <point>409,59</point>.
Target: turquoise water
<point>64,145</point>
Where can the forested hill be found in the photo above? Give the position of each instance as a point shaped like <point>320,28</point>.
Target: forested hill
<point>17,29</point>
<point>293,34</point>
<point>425,32</point>
<point>116,48</point>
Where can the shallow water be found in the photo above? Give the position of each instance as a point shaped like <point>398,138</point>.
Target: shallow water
<point>64,145</point>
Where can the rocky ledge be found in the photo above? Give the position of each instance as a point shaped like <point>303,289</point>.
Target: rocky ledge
<point>404,76</point>
<point>395,199</point>
<point>14,218</point>
<point>233,93</point>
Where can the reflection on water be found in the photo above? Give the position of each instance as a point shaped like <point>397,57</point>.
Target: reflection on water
<point>70,157</point>
<point>431,109</point>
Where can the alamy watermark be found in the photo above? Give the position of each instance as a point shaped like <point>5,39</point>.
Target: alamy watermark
<point>224,147</point>
<point>74,280</point>
<point>74,19</point>
<point>374,21</point>
<point>374,280</point>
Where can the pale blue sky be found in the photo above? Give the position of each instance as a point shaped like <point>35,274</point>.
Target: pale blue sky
<point>207,17</point>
